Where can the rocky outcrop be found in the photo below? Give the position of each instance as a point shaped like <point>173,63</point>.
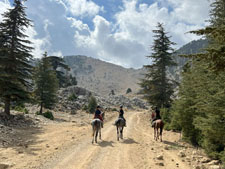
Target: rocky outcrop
<point>75,98</point>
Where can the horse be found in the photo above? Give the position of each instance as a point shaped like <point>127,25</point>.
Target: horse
<point>120,123</point>
<point>157,124</point>
<point>96,128</point>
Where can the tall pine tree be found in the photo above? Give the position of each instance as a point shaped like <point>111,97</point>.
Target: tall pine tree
<point>215,53</point>
<point>157,87</point>
<point>15,54</point>
<point>199,110</point>
<point>46,84</point>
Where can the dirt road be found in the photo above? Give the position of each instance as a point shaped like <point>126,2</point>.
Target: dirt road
<point>136,150</point>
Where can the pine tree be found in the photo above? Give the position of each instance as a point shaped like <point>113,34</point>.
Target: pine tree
<point>15,54</point>
<point>199,111</point>
<point>58,65</point>
<point>46,84</point>
<point>156,86</point>
<point>215,53</point>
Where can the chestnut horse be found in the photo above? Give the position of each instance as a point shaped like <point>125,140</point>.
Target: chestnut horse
<point>157,124</point>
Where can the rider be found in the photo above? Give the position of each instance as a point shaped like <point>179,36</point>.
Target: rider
<point>98,114</point>
<point>157,115</point>
<point>121,114</point>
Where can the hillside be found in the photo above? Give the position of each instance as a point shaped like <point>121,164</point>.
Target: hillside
<point>193,47</point>
<point>102,77</point>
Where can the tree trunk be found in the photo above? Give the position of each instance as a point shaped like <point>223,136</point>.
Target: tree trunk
<point>41,109</point>
<point>7,105</point>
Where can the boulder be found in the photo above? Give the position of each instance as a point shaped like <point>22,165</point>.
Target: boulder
<point>181,154</point>
<point>159,157</point>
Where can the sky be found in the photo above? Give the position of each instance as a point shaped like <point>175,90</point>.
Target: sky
<point>116,31</point>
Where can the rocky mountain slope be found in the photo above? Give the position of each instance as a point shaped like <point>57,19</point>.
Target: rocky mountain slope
<point>102,77</point>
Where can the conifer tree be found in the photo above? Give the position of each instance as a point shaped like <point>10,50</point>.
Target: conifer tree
<point>215,53</point>
<point>46,84</point>
<point>199,111</point>
<point>15,55</point>
<point>156,87</point>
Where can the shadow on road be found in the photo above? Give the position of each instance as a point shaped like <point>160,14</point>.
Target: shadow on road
<point>172,144</point>
<point>129,141</point>
<point>106,143</point>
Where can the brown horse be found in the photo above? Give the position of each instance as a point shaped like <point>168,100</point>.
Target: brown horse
<point>157,124</point>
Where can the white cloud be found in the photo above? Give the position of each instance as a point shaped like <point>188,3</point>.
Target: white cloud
<point>82,7</point>
<point>39,45</point>
<point>190,11</point>
<point>4,5</point>
<point>127,41</point>
<point>61,27</point>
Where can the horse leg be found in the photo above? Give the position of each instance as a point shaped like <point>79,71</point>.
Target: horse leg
<point>161,130</point>
<point>154,133</point>
<point>117,133</point>
<point>121,132</point>
<point>93,134</point>
<point>96,136</point>
<point>100,134</point>
<point>158,133</point>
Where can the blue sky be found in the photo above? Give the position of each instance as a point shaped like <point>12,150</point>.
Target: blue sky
<point>117,31</point>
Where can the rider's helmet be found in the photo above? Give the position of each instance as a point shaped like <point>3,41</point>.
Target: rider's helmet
<point>121,106</point>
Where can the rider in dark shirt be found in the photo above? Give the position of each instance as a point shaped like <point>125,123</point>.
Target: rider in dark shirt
<point>121,114</point>
<point>98,114</point>
<point>157,115</point>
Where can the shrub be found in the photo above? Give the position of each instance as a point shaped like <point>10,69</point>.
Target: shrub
<point>72,97</point>
<point>128,90</point>
<point>48,115</point>
<point>114,109</point>
<point>26,111</point>
<point>85,108</point>
<point>92,104</point>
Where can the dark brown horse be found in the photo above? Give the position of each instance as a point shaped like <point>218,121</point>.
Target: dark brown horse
<point>157,124</point>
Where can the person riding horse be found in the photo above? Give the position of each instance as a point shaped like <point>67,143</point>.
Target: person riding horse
<point>155,116</point>
<point>121,115</point>
<point>98,114</point>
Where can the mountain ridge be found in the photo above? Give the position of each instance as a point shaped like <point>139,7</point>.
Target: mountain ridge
<point>102,77</point>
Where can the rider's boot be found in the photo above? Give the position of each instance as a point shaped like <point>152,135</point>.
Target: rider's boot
<point>102,124</point>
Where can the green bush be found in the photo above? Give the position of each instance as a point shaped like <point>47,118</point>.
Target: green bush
<point>72,97</point>
<point>128,90</point>
<point>37,113</point>
<point>48,115</point>
<point>166,117</point>
<point>26,111</point>
<point>85,108</point>
<point>92,104</point>
<point>114,109</point>
<point>19,108</point>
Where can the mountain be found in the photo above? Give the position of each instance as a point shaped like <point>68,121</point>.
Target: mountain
<point>102,77</point>
<point>193,47</point>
